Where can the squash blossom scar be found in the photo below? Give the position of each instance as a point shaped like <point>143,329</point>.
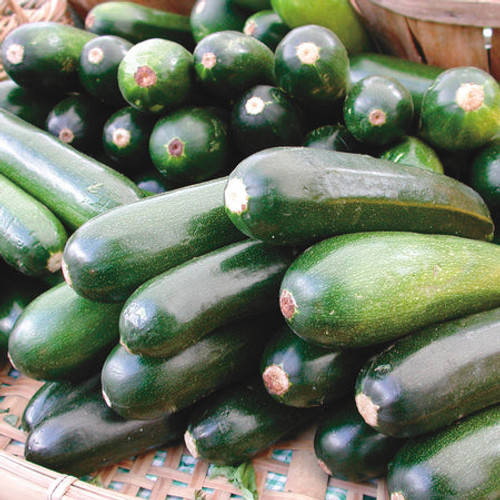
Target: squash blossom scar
<point>236,196</point>
<point>15,53</point>
<point>307,52</point>
<point>288,306</point>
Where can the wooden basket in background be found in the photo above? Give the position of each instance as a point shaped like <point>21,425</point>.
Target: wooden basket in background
<point>442,33</point>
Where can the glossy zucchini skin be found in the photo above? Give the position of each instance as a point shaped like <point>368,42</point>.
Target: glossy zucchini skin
<point>333,137</point>
<point>63,337</point>
<point>44,55</point>
<point>363,289</point>
<point>298,373</point>
<point>237,422</point>
<point>460,461</point>
<point>72,185</point>
<point>144,387</point>
<point>270,196</point>
<point>136,23</point>
<point>163,317</point>
<point>86,435</point>
<point>347,448</point>
<point>110,256</point>
<point>32,238</point>
<point>51,397</point>
<point>433,377</point>
<point>267,26</point>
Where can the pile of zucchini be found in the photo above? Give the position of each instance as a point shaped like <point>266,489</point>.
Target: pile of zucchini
<point>222,228</point>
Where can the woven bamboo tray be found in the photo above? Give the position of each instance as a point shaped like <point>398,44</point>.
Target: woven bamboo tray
<point>442,33</point>
<point>288,471</point>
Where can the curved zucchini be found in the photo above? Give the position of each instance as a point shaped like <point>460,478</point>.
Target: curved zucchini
<point>271,196</point>
<point>367,288</point>
<point>143,387</point>
<point>460,461</point>
<point>163,317</point>
<point>433,377</point>
<point>86,435</point>
<point>72,185</point>
<point>32,238</point>
<point>110,256</point>
<point>62,336</point>
<point>347,448</point>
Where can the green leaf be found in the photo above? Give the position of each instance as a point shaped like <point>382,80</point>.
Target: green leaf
<point>11,420</point>
<point>243,477</point>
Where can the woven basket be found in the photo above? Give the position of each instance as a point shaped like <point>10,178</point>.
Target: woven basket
<point>442,33</point>
<point>288,471</point>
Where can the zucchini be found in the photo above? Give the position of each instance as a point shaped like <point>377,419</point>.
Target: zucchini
<point>433,377</point>
<point>234,424</point>
<point>110,256</point>
<point>333,137</point>
<point>86,435</point>
<point>44,56</point>
<point>144,387</point>
<point>136,23</point>
<point>378,110</point>
<point>156,76</point>
<point>460,110</point>
<point>62,336</point>
<point>72,185</point>
<point>98,68</point>
<point>53,396</point>
<point>347,448</point>
<point>460,461</point>
<point>240,280</point>
<point>229,63</point>
<point>367,288</point>
<point>32,238</point>
<point>266,26</point>
<point>253,5</point>
<point>271,196</point>
<point>298,373</point>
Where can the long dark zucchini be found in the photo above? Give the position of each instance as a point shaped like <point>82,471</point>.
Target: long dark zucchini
<point>110,256</point>
<point>431,378</point>
<point>74,186</point>
<point>460,461</point>
<point>143,387</point>
<point>163,316</point>
<point>271,196</point>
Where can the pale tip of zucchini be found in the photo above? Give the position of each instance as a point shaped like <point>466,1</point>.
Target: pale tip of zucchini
<point>367,409</point>
<point>89,20</point>
<point>95,55</point>
<point>324,467</point>
<point>276,380</point>
<point>250,27</point>
<point>236,196</point>
<point>208,60</point>
<point>255,105</point>
<point>288,306</point>
<point>470,96</point>
<point>66,135</point>
<point>307,52</point>
<point>54,263</point>
<point>377,117</point>
<point>191,444</point>
<point>121,137</point>
<point>175,147</point>
<point>145,76</point>
<point>14,53</point>
<point>65,272</point>
<point>397,495</point>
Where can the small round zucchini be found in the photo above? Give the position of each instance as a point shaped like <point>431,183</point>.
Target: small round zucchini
<point>267,26</point>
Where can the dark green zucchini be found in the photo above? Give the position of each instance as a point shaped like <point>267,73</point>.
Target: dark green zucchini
<point>378,110</point>
<point>44,56</point>
<point>98,68</point>
<point>265,117</point>
<point>333,137</point>
<point>267,26</point>
<point>298,373</point>
<point>151,181</point>
<point>62,336</point>
<point>230,62</point>
<point>109,257</point>
<point>460,110</point>
<point>460,461</point>
<point>347,448</point>
<point>190,145</point>
<point>433,377</point>
<point>271,196</point>
<point>234,424</point>
<point>32,238</point>
<point>156,76</point>
<point>163,317</point>
<point>86,435</point>
<point>51,397</point>
<point>143,387</point>
<point>136,23</point>
<point>72,185</point>
<point>253,5</point>
<point>367,288</point>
